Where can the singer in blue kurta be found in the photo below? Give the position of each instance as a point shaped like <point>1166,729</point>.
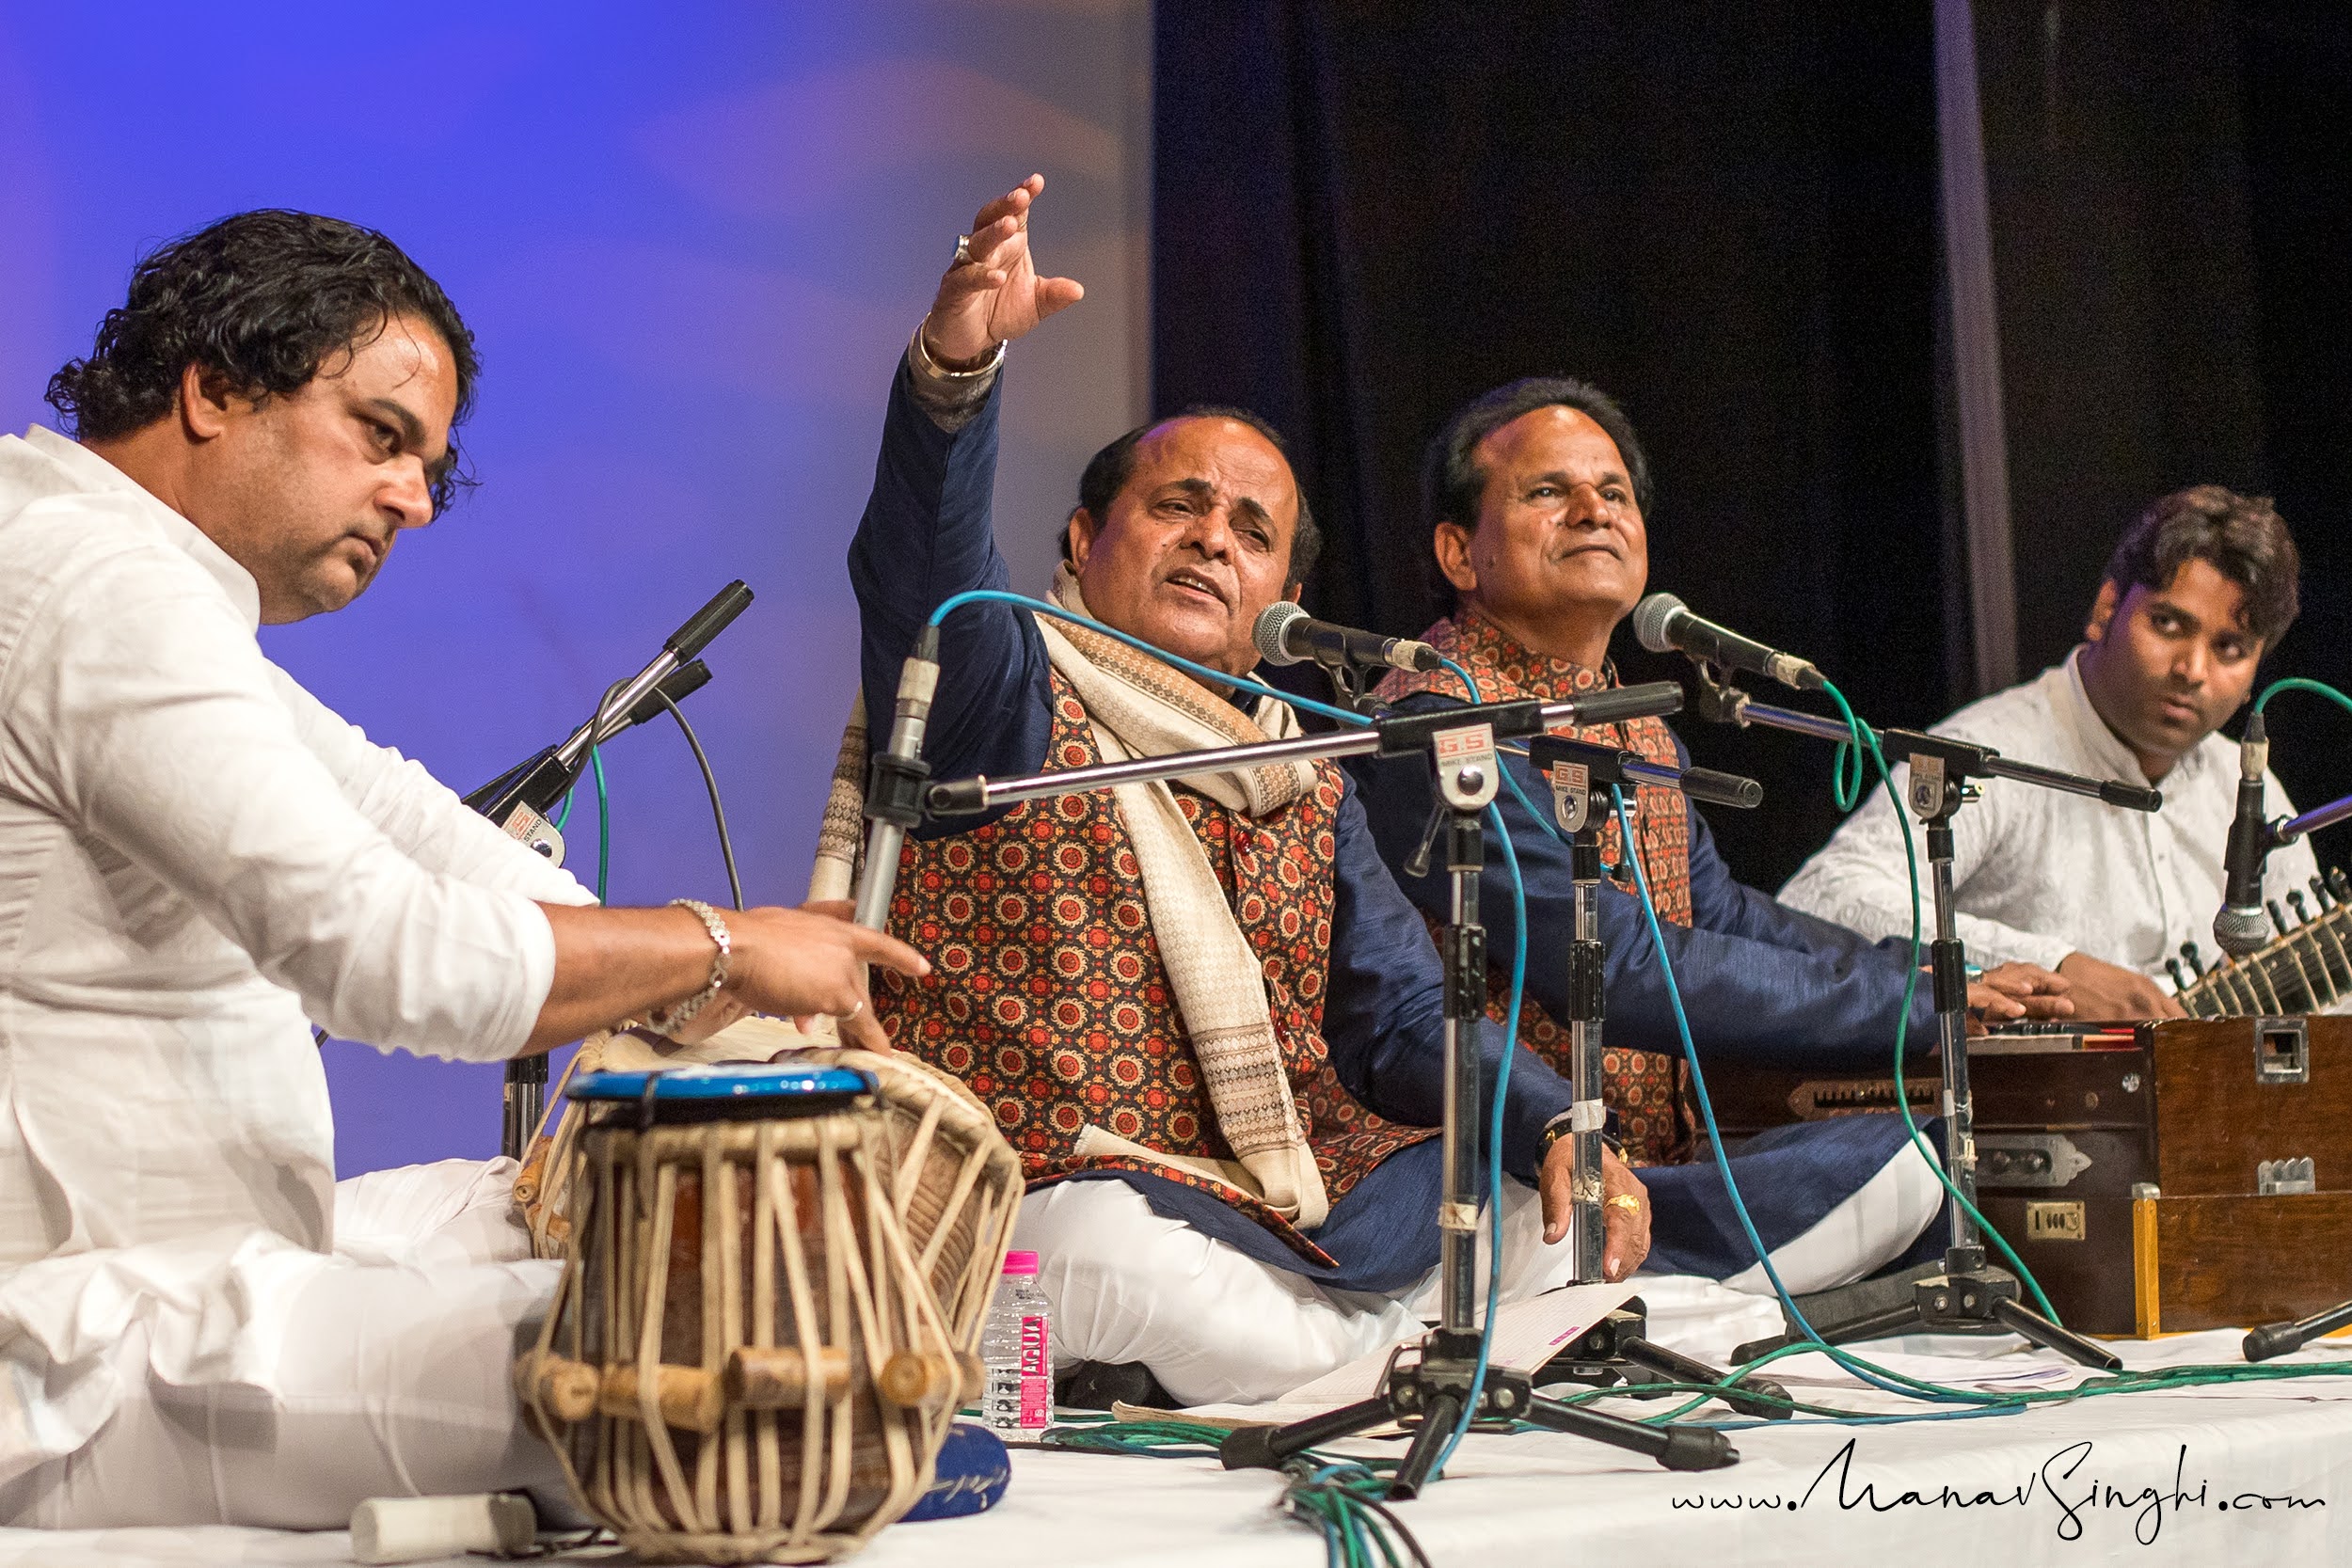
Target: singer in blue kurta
<point>926,535</point>
<point>1536,495</point>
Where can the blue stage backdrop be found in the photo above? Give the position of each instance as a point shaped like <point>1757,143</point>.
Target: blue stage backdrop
<point>690,239</point>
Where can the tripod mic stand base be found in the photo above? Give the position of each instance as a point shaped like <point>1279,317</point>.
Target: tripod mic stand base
<point>1965,1295</point>
<point>1428,1396</point>
<point>1617,1352</point>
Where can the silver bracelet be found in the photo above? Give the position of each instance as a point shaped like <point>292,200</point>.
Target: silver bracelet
<point>931,368</point>
<point>668,1020</point>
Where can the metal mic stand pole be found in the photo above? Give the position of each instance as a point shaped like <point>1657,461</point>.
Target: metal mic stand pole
<point>1970,1295</point>
<point>1583,778</point>
<point>517,799</point>
<point>1431,1391</point>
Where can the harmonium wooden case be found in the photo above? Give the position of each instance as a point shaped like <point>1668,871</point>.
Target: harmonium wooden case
<point>2183,1174</point>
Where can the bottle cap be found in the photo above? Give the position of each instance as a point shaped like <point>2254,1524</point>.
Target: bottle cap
<point>1021,1262</point>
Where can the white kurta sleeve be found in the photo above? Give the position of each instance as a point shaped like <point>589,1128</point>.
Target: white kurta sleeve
<point>416,811</point>
<point>1857,880</point>
<point>137,708</point>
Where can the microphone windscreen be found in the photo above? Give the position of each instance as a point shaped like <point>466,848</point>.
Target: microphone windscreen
<point>2241,930</point>
<point>1265,633</point>
<point>1652,619</point>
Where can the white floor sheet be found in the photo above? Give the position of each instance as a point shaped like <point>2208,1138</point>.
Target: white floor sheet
<point>2245,1474</point>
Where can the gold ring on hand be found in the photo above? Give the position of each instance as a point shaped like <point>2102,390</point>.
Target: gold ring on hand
<point>1622,1201</point>
<point>963,251</point>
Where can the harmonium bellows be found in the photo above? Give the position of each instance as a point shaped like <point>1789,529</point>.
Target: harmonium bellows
<point>2181,1174</point>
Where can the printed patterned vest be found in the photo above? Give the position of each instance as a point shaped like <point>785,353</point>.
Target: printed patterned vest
<point>1047,996</point>
<point>1649,1091</point>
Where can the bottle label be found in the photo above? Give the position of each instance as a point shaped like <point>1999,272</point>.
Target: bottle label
<point>1036,1376</point>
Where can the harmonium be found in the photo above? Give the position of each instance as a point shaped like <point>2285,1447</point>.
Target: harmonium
<point>2157,1177</point>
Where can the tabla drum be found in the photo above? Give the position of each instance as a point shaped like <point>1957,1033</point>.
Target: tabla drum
<point>746,1359</point>
<point>956,1186</point>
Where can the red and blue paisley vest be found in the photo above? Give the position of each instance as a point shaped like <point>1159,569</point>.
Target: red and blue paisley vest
<point>1648,1090</point>
<point>1047,997</point>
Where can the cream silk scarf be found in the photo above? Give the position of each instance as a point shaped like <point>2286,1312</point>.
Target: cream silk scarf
<point>1140,707</point>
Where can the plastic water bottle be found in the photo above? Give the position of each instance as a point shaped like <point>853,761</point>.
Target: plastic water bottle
<point>1016,1347</point>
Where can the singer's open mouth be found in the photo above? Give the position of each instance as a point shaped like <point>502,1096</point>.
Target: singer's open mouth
<point>1197,583</point>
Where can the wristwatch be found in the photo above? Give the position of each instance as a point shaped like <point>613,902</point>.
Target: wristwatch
<point>668,1020</point>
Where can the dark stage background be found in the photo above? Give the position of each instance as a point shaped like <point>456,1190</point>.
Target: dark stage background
<point>1727,216</point>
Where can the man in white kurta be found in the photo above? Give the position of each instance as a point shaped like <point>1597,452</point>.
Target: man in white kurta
<point>197,859</point>
<point>2197,591</point>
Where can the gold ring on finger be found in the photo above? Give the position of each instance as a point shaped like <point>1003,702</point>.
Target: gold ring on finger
<point>963,251</point>
<point>1622,1201</point>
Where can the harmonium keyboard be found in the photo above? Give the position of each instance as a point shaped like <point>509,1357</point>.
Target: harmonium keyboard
<point>2174,1175</point>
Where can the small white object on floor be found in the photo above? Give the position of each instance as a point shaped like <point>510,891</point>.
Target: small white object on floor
<point>409,1529</point>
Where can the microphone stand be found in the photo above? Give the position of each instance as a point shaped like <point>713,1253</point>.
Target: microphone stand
<point>1429,1392</point>
<point>1969,1295</point>
<point>1584,777</point>
<point>520,799</point>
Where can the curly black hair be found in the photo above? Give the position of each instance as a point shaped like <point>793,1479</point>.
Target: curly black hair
<point>262,299</point>
<point>2242,537</point>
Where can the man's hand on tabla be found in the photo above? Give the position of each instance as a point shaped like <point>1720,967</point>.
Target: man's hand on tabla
<point>997,295</point>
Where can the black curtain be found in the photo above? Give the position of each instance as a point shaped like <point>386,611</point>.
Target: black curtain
<point>2297,115</point>
<point>1726,216</point>
<point>1365,215</point>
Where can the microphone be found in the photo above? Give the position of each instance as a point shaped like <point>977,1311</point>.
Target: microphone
<point>2240,927</point>
<point>1663,624</point>
<point>1286,634</point>
<point>517,799</point>
<point>894,781</point>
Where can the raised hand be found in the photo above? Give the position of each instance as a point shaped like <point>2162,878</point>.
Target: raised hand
<point>996,295</point>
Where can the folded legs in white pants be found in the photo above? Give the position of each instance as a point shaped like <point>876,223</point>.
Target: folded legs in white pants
<point>394,1381</point>
<point>1214,1325</point>
<point>1217,1326</point>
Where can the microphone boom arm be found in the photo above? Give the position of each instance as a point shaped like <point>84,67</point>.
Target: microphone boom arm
<point>1398,735</point>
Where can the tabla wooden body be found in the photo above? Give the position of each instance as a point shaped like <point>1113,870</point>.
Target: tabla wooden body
<point>956,1182</point>
<point>746,1359</point>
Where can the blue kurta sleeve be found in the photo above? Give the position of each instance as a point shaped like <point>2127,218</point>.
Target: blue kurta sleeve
<point>1721,903</point>
<point>1384,1013</point>
<point>1771,989</point>
<point>926,535</point>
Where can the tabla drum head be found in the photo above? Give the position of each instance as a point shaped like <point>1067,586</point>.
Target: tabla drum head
<point>722,1091</point>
